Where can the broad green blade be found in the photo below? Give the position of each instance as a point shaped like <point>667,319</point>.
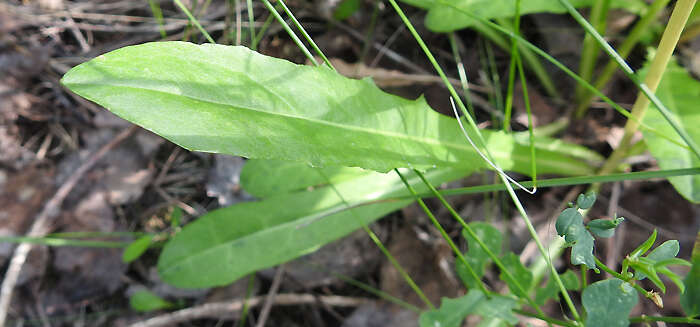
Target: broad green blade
<point>263,178</point>
<point>229,243</point>
<point>681,94</point>
<point>224,99</point>
<point>442,18</point>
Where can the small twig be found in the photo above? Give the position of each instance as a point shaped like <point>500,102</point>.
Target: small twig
<point>265,311</point>
<point>42,222</point>
<point>218,309</point>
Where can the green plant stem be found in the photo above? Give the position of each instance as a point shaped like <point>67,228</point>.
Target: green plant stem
<point>158,15</point>
<point>668,42</point>
<point>251,24</point>
<point>461,72</point>
<point>543,251</point>
<point>444,234</point>
<point>481,142</point>
<point>263,29</point>
<point>679,17</point>
<point>382,248</point>
<point>545,318</point>
<point>194,21</point>
<point>530,124</point>
<point>617,275</point>
<point>568,71</point>
<point>574,181</point>
<point>673,320</point>
<point>289,31</point>
<point>374,291</point>
<point>589,54</point>
<point>511,69</point>
<point>50,241</point>
<point>481,243</point>
<point>306,35</point>
<point>631,40</point>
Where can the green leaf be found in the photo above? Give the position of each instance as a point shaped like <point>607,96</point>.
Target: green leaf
<point>225,99</point>
<point>453,311</point>
<point>144,301</point>
<point>521,274</point>
<point>567,222</point>
<point>551,290</point>
<point>176,217</point>
<point>604,227</point>
<point>644,247</point>
<point>346,8</point>
<point>608,303</point>
<point>444,18</point>
<point>585,201</point>
<point>690,299</point>
<point>136,248</point>
<point>582,250</point>
<point>237,240</point>
<point>263,178</point>
<point>475,256</point>
<point>570,225</point>
<point>680,92</point>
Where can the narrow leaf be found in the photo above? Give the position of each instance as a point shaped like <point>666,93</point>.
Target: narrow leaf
<point>145,301</point>
<point>136,248</point>
<point>235,241</point>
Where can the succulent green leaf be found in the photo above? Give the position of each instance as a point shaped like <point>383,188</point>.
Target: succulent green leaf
<point>453,311</point>
<point>231,100</point>
<point>144,301</point>
<point>136,248</point>
<point>690,299</point>
<point>585,201</point>
<point>681,94</point>
<point>475,256</point>
<point>608,303</point>
<point>604,227</point>
<point>582,250</point>
<point>522,275</point>
<point>234,241</point>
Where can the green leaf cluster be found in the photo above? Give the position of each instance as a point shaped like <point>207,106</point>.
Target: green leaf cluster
<point>656,262</point>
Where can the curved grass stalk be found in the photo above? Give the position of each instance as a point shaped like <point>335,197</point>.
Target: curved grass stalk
<point>589,53</point>
<point>624,50</point>
<point>251,24</point>
<point>679,17</point>
<point>289,31</point>
<point>382,248</point>
<point>194,21</point>
<point>515,199</point>
<point>514,55</point>
<point>476,237</point>
<point>444,234</point>
<point>565,69</point>
<point>306,35</point>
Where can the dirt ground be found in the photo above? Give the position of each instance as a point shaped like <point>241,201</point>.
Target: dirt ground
<point>47,134</point>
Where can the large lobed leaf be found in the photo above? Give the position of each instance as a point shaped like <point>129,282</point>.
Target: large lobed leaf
<point>232,100</point>
<point>444,18</point>
<point>680,92</point>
